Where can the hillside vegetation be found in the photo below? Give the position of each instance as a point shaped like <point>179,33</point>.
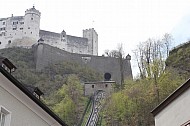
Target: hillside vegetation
<point>179,59</point>
<point>52,77</point>
<point>60,82</point>
<point>128,106</point>
<point>131,106</point>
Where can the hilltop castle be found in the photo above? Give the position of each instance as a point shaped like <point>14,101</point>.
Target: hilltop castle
<point>24,31</point>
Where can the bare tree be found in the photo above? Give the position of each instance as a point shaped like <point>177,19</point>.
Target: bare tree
<point>167,39</point>
<point>150,56</point>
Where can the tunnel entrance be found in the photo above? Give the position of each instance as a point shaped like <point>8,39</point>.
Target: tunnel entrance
<point>107,76</point>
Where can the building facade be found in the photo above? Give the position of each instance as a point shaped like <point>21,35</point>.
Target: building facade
<point>20,107</point>
<point>174,110</point>
<point>25,31</point>
<point>92,87</point>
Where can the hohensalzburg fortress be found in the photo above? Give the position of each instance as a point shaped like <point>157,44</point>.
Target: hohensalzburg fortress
<point>24,31</point>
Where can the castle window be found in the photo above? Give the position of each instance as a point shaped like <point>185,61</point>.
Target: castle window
<point>28,27</point>
<point>0,43</point>
<point>2,29</point>
<point>3,23</point>
<point>9,42</point>
<point>21,22</point>
<point>14,23</point>
<point>31,18</point>
<point>106,85</point>
<point>92,86</point>
<point>14,28</point>
<point>31,32</point>
<point>3,34</point>
<point>21,28</point>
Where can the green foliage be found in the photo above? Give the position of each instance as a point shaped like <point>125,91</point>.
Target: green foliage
<point>52,77</point>
<point>132,106</point>
<point>68,100</point>
<point>60,82</point>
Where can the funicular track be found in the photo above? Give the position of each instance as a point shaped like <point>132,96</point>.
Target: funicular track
<point>96,107</point>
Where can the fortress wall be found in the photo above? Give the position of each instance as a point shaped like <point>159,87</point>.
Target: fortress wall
<point>77,44</point>
<point>51,38</point>
<point>46,54</point>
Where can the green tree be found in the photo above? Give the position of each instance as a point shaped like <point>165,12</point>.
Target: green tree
<point>132,105</point>
<point>69,100</point>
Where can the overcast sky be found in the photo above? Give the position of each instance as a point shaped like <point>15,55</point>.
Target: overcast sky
<point>116,21</point>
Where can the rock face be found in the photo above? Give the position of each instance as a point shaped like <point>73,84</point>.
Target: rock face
<point>46,54</point>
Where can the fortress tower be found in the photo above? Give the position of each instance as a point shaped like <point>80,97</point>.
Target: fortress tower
<point>64,40</point>
<point>32,23</point>
<point>92,37</point>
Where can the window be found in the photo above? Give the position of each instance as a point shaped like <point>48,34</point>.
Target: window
<point>28,27</point>
<point>5,117</point>
<point>92,86</point>
<point>3,34</point>
<point>21,22</point>
<point>31,32</point>
<point>31,18</point>
<point>14,28</point>
<point>9,42</point>
<point>14,23</point>
<point>1,29</point>
<point>2,119</point>
<point>106,85</point>
<point>21,28</point>
<point>3,23</point>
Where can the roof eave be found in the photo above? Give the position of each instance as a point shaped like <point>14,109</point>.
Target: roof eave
<point>171,97</point>
<point>31,96</point>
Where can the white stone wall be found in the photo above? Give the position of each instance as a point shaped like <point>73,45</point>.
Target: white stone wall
<point>12,29</point>
<point>15,29</point>
<point>23,111</point>
<point>32,23</point>
<point>53,39</point>
<point>176,113</point>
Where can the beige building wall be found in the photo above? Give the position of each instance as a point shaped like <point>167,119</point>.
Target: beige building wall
<point>92,87</point>
<point>23,111</point>
<point>176,113</point>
